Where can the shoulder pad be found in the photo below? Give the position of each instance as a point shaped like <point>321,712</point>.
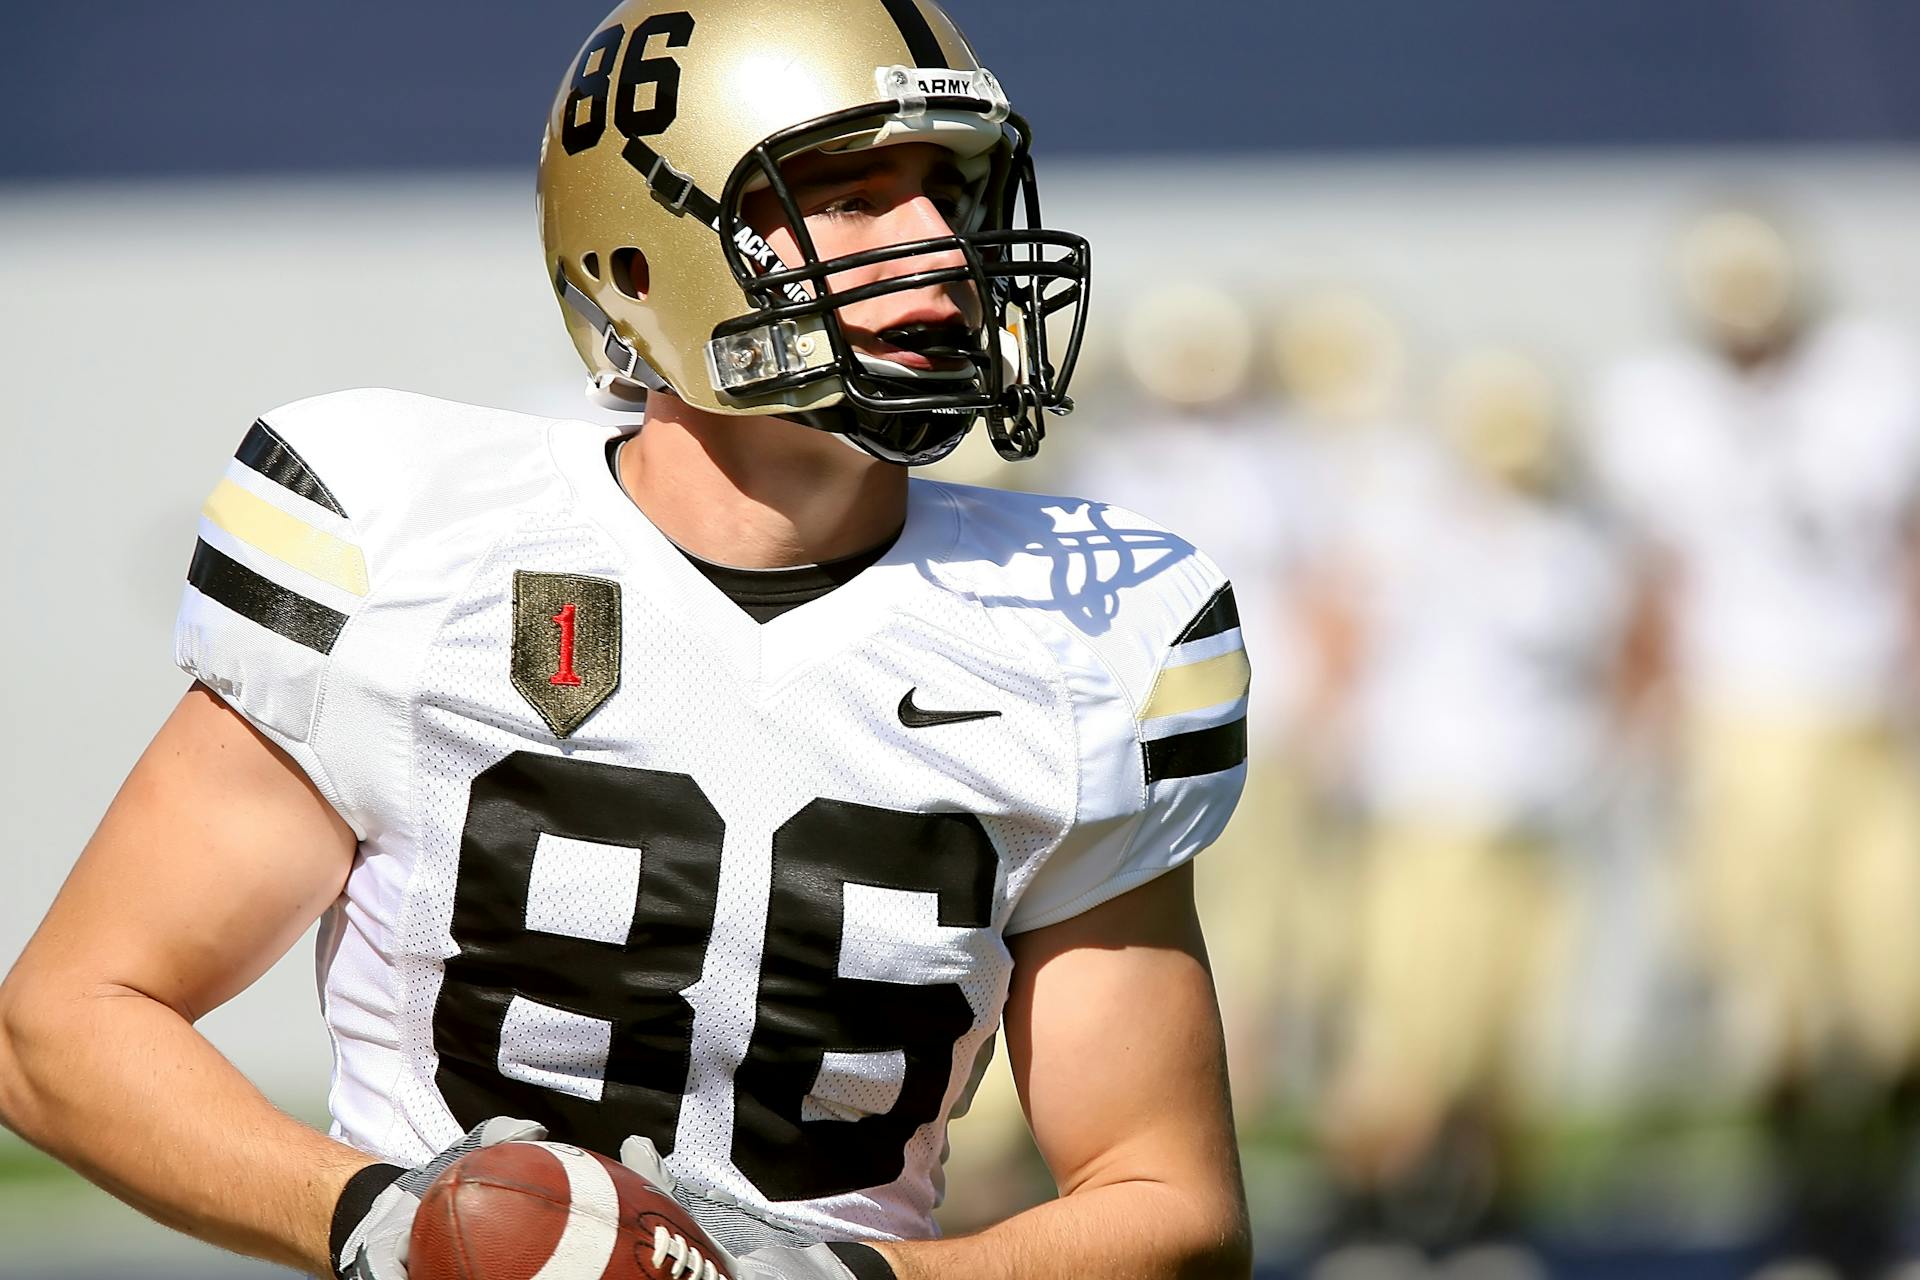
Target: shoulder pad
<point>1146,628</point>
<point>386,455</point>
<point>294,536</point>
<point>1124,586</point>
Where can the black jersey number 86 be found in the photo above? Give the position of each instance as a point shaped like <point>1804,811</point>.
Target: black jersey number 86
<point>804,1007</point>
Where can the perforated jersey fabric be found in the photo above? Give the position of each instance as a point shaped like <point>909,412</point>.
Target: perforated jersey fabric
<point>747,907</point>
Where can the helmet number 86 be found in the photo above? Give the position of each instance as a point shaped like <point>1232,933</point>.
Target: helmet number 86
<point>584,117</point>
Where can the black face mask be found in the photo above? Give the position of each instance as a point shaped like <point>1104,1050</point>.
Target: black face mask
<point>1023,273</point>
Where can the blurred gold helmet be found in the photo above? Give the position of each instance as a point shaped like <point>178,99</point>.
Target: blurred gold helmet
<point>669,117</point>
<point>1340,358</point>
<point>1500,410</point>
<point>1191,346</point>
<point>1742,280</point>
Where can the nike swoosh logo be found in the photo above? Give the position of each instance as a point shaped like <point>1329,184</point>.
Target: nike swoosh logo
<point>918,718</point>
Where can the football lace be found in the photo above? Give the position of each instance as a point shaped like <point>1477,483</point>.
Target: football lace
<point>687,1261</point>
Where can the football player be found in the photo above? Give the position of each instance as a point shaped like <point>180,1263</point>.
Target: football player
<point>707,792</point>
<point>1487,618</point>
<point>1771,471</point>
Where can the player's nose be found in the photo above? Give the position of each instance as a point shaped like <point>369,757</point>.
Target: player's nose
<point>919,218</point>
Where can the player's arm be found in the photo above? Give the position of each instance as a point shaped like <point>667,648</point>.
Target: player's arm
<point>213,859</point>
<point>1114,1037</point>
<point>1910,582</point>
<point>1644,665</point>
<point>1326,612</point>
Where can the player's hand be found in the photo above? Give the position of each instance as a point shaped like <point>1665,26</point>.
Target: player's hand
<point>373,1221</point>
<point>754,1246</point>
<point>737,1228</point>
<point>640,1155</point>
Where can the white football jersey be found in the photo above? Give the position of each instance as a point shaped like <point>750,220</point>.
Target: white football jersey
<point>631,862</point>
<point>1491,624</point>
<point>1786,500</point>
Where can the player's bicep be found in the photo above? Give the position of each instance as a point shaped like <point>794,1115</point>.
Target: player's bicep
<point>1113,1033</point>
<point>214,857</point>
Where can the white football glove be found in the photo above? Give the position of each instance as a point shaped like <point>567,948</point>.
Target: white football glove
<point>373,1219</point>
<point>752,1247</point>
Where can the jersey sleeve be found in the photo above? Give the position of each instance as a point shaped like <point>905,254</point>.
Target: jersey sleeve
<point>279,570</point>
<point>1162,718</point>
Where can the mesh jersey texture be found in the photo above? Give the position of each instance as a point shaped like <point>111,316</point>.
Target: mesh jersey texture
<point>747,808</point>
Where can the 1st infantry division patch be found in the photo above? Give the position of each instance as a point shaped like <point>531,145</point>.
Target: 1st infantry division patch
<point>566,645</point>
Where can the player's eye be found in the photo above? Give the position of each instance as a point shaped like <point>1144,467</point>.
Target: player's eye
<point>844,206</point>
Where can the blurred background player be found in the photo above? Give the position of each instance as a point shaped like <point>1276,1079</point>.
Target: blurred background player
<point>1339,363</point>
<point>1340,366</point>
<point>1482,615</point>
<point>1770,471</point>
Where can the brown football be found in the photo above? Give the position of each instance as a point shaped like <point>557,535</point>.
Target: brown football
<point>525,1209</point>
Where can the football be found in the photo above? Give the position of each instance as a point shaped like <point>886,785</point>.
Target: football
<point>525,1209</point>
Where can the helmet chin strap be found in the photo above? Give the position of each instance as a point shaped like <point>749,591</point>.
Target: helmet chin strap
<point>624,387</point>
<point>878,434</point>
<point>911,439</point>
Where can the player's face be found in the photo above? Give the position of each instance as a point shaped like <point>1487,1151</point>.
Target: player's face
<point>863,200</point>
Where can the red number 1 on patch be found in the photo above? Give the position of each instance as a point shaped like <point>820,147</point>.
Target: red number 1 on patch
<point>565,675</point>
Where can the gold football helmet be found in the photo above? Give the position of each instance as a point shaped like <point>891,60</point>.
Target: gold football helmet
<point>675,110</point>
<point>1500,409</point>
<point>1340,358</point>
<point>1744,280</point>
<point>1191,346</point>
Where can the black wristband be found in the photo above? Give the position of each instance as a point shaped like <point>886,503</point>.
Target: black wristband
<point>866,1262</point>
<point>356,1198</point>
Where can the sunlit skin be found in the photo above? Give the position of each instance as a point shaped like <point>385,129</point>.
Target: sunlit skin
<point>759,492</point>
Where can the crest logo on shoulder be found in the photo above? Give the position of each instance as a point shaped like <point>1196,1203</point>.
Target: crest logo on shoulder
<point>566,645</point>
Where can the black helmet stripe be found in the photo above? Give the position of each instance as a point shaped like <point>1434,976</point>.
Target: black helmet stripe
<point>917,32</point>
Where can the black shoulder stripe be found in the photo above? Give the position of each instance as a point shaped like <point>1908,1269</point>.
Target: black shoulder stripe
<point>303,621</point>
<point>917,32</point>
<point>1187,755</point>
<point>1221,614</point>
<point>274,458</point>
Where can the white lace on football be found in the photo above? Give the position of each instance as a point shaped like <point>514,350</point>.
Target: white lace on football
<point>687,1261</point>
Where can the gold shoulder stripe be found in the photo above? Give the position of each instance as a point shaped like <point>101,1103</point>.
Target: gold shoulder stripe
<point>286,538</point>
<point>1206,683</point>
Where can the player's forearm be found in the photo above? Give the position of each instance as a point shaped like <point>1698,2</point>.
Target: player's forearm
<point>126,1091</point>
<point>1121,1231</point>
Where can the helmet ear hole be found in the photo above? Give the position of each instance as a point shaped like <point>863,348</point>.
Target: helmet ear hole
<point>590,263</point>
<point>627,269</point>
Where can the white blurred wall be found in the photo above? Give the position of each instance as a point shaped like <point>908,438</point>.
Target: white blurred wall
<point>143,328</point>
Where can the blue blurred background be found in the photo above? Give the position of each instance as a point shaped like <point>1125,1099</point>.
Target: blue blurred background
<point>202,87</point>
<point>1398,309</point>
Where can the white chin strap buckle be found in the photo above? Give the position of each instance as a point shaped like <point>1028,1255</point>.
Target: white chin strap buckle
<point>622,395</point>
